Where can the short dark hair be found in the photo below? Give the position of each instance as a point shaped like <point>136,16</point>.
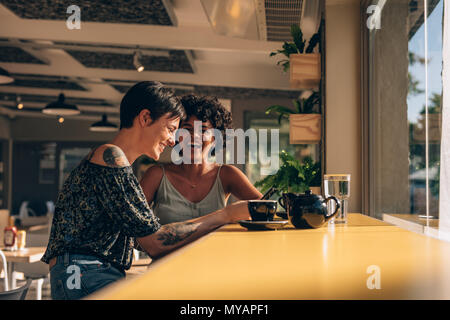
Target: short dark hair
<point>208,108</point>
<point>150,95</point>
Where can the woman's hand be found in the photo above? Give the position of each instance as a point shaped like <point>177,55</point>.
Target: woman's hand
<point>174,235</point>
<point>237,211</point>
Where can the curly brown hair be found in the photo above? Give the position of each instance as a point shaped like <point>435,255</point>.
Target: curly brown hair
<point>208,108</point>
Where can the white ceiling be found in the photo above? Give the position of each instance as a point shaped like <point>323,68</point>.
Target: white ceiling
<point>216,60</point>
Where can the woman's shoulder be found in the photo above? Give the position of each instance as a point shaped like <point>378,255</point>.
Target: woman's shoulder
<point>154,172</point>
<point>229,174</point>
<point>151,180</point>
<point>237,183</point>
<point>109,155</point>
<point>228,169</point>
<point>170,167</point>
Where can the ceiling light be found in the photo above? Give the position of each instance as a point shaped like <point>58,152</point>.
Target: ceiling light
<point>311,18</point>
<point>5,77</point>
<point>19,103</point>
<point>60,119</point>
<point>103,126</point>
<point>137,61</point>
<point>234,18</point>
<point>61,108</point>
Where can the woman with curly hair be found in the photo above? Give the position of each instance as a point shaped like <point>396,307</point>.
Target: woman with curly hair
<point>185,191</point>
<point>102,213</point>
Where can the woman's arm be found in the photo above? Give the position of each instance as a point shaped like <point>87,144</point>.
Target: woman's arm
<point>172,236</point>
<point>237,183</point>
<point>151,181</point>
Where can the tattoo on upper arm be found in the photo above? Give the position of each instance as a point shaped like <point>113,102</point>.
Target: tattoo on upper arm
<point>115,157</point>
<point>176,232</point>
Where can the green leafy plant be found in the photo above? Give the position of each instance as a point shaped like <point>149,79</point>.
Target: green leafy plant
<point>296,46</point>
<point>293,176</point>
<point>301,106</point>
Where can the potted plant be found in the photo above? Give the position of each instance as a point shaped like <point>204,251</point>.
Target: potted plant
<point>305,120</point>
<point>304,64</point>
<point>293,176</point>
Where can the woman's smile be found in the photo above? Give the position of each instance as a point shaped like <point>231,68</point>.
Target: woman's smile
<point>162,146</point>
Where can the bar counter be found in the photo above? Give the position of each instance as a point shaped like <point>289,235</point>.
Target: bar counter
<point>332,262</point>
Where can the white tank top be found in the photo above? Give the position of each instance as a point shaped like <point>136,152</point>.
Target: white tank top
<point>171,206</point>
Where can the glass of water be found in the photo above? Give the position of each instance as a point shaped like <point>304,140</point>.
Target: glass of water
<point>338,185</point>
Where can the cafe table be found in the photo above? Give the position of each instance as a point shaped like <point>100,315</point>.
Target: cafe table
<point>26,255</point>
<point>363,259</point>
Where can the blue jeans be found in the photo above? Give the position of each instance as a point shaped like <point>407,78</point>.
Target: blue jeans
<point>75,276</point>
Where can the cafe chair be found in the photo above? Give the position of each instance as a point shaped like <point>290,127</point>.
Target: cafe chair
<point>35,213</point>
<point>37,236</point>
<point>16,294</point>
<point>5,270</point>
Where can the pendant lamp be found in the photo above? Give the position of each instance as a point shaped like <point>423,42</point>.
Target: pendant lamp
<point>61,108</point>
<point>103,125</point>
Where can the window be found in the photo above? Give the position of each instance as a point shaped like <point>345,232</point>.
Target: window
<point>259,120</point>
<point>403,95</point>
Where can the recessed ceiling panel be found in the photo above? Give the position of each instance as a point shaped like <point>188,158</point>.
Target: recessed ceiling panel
<point>44,82</point>
<point>17,55</point>
<point>48,99</point>
<point>223,92</point>
<point>176,62</point>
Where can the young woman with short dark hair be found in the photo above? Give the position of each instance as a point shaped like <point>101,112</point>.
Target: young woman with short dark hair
<point>101,213</point>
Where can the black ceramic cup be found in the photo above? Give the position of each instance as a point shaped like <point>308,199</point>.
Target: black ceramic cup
<point>262,210</point>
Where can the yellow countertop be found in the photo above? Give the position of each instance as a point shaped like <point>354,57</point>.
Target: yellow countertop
<point>327,263</point>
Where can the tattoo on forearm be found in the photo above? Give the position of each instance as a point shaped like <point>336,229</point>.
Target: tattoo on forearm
<point>114,157</point>
<point>176,232</point>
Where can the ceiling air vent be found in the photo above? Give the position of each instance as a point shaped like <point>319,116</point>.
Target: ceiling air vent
<point>280,15</point>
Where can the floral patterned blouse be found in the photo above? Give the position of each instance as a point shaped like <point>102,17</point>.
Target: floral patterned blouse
<point>100,211</point>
